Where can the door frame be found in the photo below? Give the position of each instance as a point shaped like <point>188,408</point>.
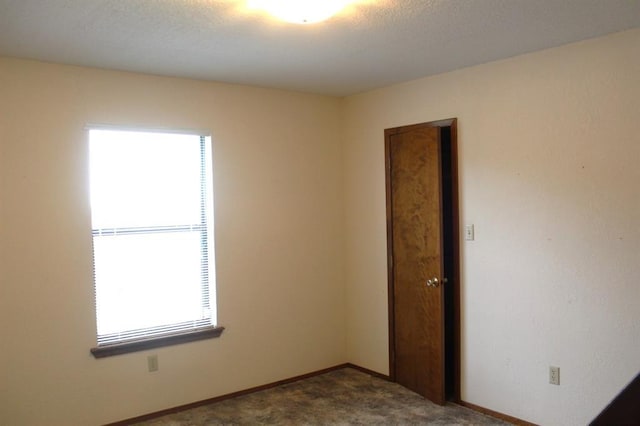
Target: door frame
<point>455,236</point>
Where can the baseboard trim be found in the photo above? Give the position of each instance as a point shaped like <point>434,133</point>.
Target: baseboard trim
<point>174,410</point>
<point>367,371</point>
<point>497,415</point>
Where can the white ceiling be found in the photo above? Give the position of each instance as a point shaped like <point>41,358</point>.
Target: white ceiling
<point>370,45</point>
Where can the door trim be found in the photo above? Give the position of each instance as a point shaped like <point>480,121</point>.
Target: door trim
<point>452,124</point>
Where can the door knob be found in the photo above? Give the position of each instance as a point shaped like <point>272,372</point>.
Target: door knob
<point>435,282</point>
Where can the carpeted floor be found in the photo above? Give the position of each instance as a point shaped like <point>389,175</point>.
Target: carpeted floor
<point>341,397</point>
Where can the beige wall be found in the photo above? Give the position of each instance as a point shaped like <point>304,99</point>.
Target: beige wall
<point>549,151</point>
<point>548,161</point>
<point>279,222</point>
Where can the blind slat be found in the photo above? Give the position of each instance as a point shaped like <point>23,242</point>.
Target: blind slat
<point>151,332</point>
<point>149,230</point>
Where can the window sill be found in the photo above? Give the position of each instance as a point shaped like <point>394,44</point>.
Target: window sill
<point>156,342</point>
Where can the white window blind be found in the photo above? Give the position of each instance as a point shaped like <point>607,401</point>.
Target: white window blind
<point>151,213</point>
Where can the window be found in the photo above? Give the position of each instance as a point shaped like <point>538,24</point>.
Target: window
<point>151,215</point>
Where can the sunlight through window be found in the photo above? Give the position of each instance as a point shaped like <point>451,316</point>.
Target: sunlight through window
<point>151,214</point>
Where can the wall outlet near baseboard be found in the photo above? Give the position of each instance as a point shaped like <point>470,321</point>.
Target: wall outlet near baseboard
<point>152,363</point>
<point>554,375</point>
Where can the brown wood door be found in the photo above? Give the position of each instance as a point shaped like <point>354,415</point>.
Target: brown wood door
<point>414,203</point>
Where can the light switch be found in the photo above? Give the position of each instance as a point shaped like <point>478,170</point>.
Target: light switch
<point>469,233</point>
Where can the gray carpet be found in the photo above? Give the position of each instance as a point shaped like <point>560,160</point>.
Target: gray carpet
<point>341,397</point>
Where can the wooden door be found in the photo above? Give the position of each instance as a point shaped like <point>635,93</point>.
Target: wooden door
<point>416,259</point>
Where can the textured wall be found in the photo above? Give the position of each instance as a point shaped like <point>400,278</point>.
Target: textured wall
<point>549,149</point>
<point>278,238</point>
<point>549,146</point>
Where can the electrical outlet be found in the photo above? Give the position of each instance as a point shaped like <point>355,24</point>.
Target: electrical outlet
<point>152,363</point>
<point>554,375</point>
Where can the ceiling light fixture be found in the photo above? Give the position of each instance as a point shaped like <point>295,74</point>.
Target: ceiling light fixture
<point>300,11</point>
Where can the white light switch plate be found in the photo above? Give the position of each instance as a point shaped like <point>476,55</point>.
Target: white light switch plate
<point>469,233</point>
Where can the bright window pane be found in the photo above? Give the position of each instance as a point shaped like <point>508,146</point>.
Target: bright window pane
<point>144,179</point>
<point>151,210</point>
<point>147,280</point>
